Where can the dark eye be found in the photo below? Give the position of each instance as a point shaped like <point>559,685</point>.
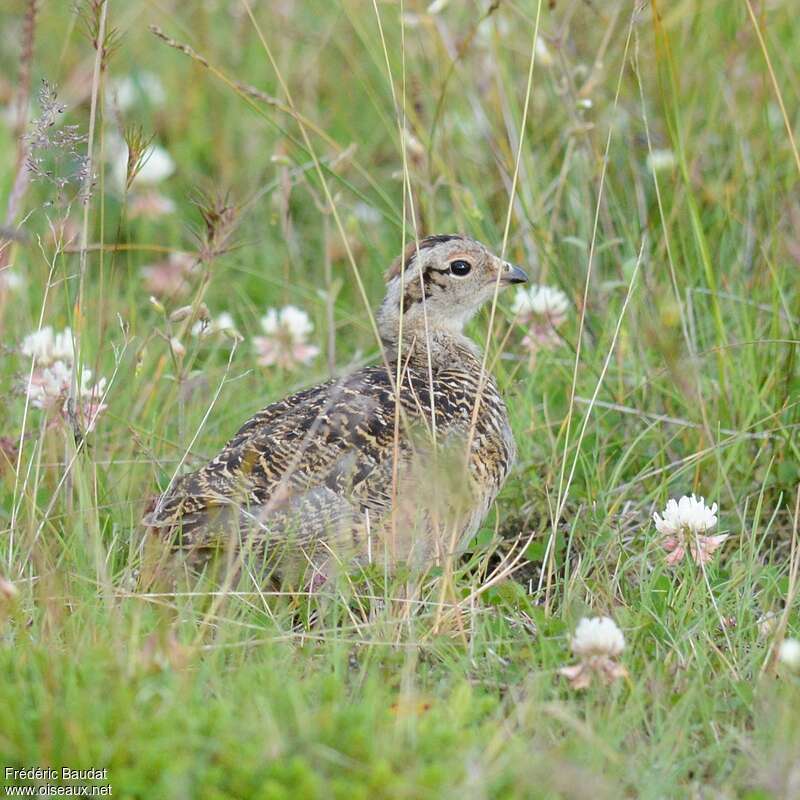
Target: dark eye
<point>460,268</point>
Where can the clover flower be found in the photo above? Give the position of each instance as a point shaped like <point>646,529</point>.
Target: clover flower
<point>48,385</point>
<point>597,642</point>
<point>285,343</point>
<point>48,389</point>
<point>131,90</point>
<point>155,166</point>
<point>223,323</point>
<point>46,347</point>
<point>92,405</point>
<point>684,523</point>
<point>541,300</point>
<point>543,309</point>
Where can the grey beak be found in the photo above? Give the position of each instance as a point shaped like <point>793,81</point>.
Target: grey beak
<point>514,275</point>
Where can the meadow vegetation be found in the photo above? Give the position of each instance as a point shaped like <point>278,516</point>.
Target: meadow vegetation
<point>234,156</point>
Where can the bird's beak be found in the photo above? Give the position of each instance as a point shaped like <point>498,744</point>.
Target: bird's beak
<point>512,274</point>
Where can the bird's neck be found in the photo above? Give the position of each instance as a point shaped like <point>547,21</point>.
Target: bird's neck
<point>438,347</point>
<point>423,336</point>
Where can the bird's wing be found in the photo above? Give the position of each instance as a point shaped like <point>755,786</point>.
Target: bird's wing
<point>218,482</point>
<point>337,437</point>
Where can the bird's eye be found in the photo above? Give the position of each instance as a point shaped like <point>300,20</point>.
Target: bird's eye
<point>460,268</point>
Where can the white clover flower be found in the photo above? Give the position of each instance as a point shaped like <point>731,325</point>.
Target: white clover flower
<point>45,347</point>
<point>542,301</point>
<point>91,404</point>
<point>87,391</point>
<point>543,309</point>
<point>48,386</point>
<point>688,513</point>
<point>684,523</point>
<point>210,327</point>
<point>132,89</point>
<point>271,321</point>
<point>39,345</point>
<point>285,343</point>
<point>63,349</point>
<point>597,642</point>
<point>789,654</point>
<point>660,160</point>
<point>289,319</point>
<point>598,636</point>
<point>156,166</point>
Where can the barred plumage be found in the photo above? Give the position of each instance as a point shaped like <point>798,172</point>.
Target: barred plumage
<point>361,468</point>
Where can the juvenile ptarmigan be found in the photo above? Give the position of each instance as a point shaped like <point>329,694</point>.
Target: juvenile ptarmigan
<point>391,463</point>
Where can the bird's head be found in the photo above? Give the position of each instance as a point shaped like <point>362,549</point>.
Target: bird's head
<point>439,284</point>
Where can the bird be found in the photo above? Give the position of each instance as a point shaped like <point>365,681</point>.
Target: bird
<point>396,462</point>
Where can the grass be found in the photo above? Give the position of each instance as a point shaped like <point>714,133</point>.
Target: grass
<point>432,685</point>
